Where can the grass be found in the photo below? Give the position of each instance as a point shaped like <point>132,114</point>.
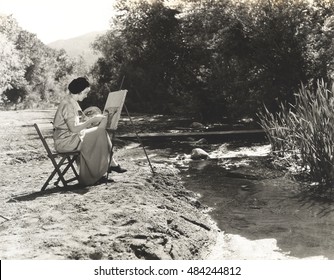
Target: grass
<point>305,131</point>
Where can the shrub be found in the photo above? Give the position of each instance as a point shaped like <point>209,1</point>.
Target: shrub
<point>306,130</point>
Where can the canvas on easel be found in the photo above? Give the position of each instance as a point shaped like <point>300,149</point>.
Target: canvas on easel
<point>113,108</point>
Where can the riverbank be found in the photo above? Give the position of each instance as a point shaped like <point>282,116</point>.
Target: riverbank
<point>138,216</point>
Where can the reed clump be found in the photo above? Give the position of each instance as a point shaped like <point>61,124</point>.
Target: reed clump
<point>305,133</point>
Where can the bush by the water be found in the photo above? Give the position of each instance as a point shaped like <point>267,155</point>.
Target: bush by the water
<point>306,131</point>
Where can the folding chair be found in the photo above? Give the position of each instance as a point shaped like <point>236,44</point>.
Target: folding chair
<point>62,162</point>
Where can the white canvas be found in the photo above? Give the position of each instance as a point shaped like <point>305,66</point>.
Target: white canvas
<point>113,108</point>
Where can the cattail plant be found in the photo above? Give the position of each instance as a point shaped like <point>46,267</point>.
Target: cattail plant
<point>277,127</point>
<point>307,129</point>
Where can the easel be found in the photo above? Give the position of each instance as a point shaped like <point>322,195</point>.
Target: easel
<point>134,130</point>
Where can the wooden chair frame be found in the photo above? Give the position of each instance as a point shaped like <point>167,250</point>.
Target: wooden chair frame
<point>61,162</point>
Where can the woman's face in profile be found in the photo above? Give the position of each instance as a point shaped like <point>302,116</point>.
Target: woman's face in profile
<point>83,94</point>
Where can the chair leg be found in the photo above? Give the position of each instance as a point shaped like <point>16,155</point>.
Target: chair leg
<point>56,170</point>
<point>72,166</point>
<point>48,180</point>
<point>69,165</point>
<point>61,174</point>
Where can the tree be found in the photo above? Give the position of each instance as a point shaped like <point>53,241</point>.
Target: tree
<point>217,58</point>
<point>11,71</point>
<point>9,27</point>
<point>277,47</point>
<point>319,31</point>
<point>31,72</point>
<point>146,46</point>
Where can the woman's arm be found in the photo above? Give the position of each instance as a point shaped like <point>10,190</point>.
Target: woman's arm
<point>76,128</point>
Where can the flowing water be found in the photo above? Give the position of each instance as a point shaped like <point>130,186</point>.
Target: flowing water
<point>251,199</point>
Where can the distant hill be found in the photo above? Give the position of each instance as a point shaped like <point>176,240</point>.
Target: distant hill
<point>79,46</point>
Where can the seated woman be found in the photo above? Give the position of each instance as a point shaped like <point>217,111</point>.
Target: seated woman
<point>73,134</point>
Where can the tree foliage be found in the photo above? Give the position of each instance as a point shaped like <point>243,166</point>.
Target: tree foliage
<point>215,58</point>
<point>11,67</point>
<point>31,73</point>
<point>145,45</point>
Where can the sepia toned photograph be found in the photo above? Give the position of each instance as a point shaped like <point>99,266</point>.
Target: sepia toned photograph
<point>167,130</point>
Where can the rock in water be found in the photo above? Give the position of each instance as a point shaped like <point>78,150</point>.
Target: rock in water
<point>197,125</point>
<point>198,153</point>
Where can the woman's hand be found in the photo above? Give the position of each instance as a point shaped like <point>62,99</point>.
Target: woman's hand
<point>96,120</point>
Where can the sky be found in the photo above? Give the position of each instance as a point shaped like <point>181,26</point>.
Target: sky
<point>53,20</point>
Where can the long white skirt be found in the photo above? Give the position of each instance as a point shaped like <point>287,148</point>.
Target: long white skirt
<point>95,151</point>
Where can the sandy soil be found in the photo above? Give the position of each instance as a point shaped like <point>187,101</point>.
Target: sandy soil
<point>139,216</point>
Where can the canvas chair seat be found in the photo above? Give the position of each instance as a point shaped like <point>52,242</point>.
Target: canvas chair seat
<point>62,163</point>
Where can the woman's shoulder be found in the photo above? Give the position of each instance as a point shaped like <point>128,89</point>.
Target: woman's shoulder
<point>64,101</point>
<point>69,103</point>
<point>67,108</point>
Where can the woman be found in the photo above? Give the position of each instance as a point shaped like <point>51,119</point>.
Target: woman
<point>73,134</point>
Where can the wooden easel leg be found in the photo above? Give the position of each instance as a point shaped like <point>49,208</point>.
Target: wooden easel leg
<point>111,154</point>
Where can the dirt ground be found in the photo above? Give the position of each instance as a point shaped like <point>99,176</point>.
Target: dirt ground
<point>138,216</point>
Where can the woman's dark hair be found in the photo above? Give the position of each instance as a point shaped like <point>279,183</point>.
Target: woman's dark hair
<point>78,85</point>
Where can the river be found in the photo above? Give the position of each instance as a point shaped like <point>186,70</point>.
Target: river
<point>250,199</point>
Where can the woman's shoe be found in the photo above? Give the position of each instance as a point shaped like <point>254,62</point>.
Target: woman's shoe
<point>117,169</point>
